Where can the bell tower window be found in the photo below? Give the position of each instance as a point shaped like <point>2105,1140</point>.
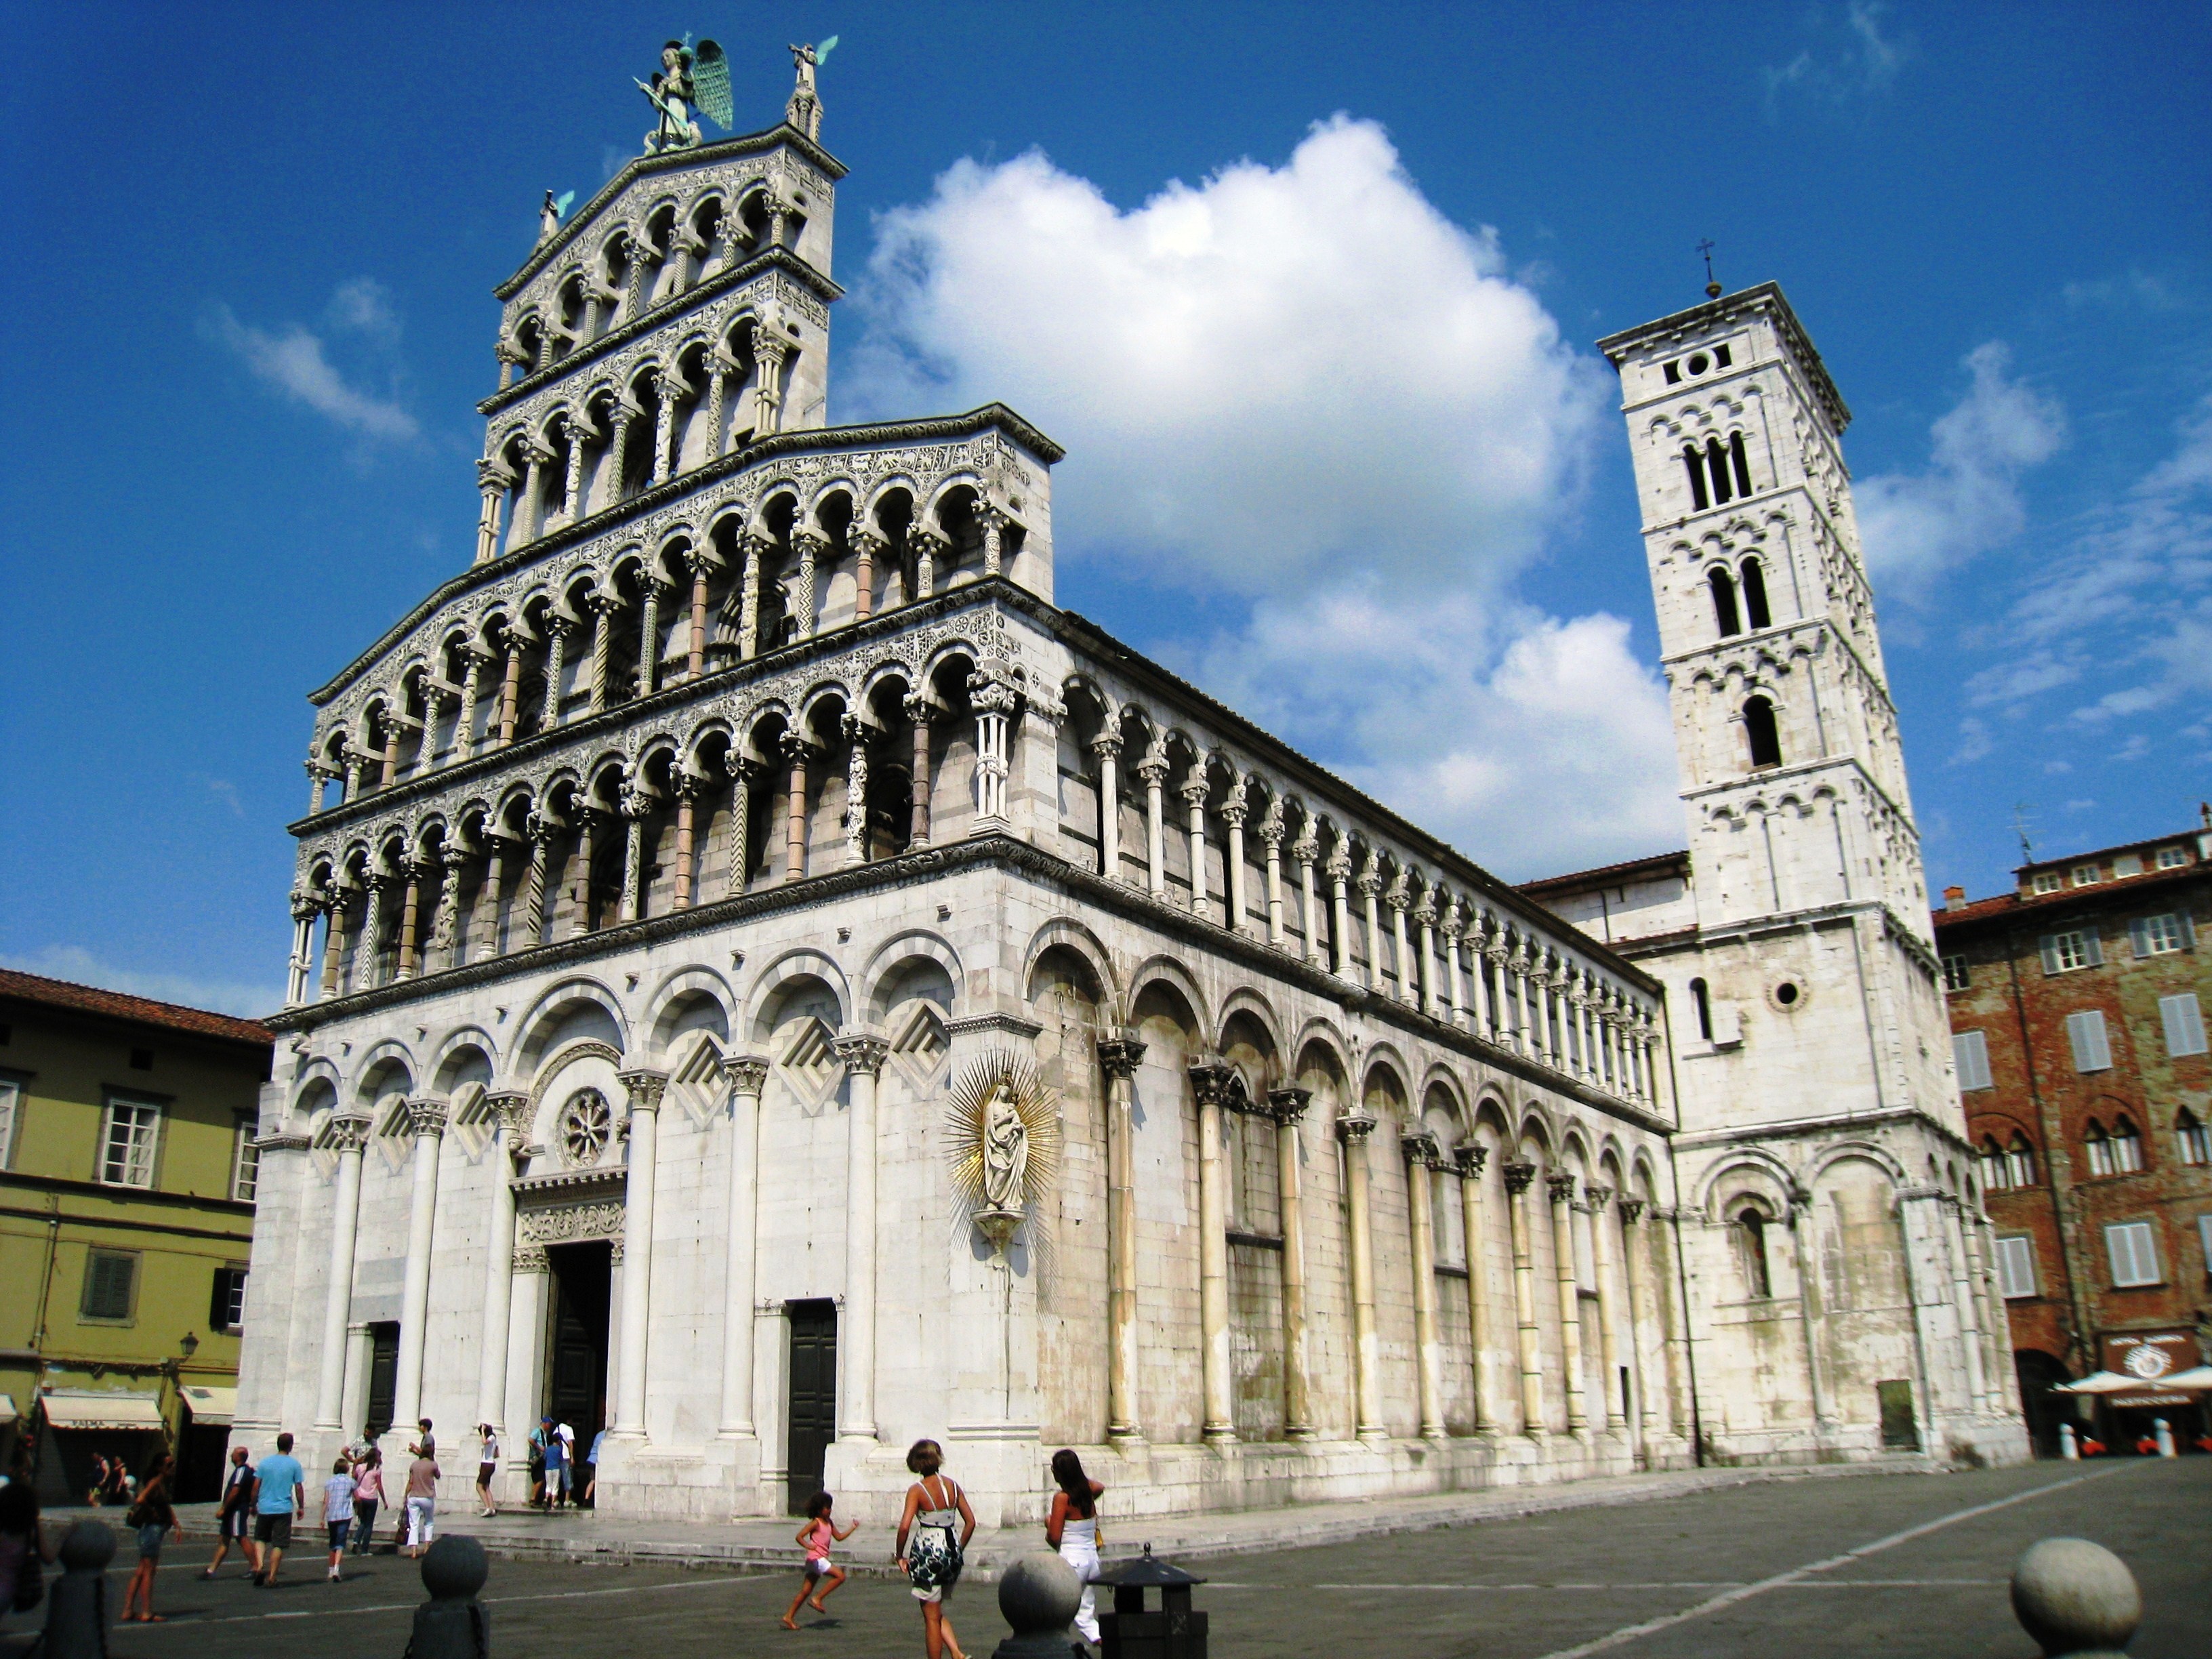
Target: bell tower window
<point>1758,729</point>
<point>1696,465</point>
<point>1740,463</point>
<point>1754,595</point>
<point>1717,463</point>
<point>1724,608</point>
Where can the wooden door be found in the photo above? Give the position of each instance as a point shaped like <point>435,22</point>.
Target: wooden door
<point>813,1412</point>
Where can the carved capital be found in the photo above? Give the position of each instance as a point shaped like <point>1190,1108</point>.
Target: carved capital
<point>1631,1211</point>
<point>1518,1177</point>
<point>646,1087</point>
<point>1210,1081</point>
<point>861,1052</point>
<point>1419,1147</point>
<point>426,1115</point>
<point>1468,1159</point>
<point>531,1259</point>
<point>1353,1128</point>
<point>1599,1196</point>
<point>346,1131</point>
<point>1561,1186</point>
<point>509,1109</point>
<point>1106,745</point>
<point>1287,1105</point>
<point>747,1074</point>
<point>1120,1057</point>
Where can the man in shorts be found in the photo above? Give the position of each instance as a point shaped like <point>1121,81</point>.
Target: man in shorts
<point>234,1518</point>
<point>280,1492</point>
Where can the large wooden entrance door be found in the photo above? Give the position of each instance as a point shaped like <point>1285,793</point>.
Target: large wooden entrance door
<point>576,1365</point>
<point>383,1376</point>
<point>813,1416</point>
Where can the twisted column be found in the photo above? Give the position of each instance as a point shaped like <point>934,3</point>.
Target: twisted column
<point>603,603</point>
<point>648,646</point>
<point>744,773</point>
<point>811,545</point>
<point>541,830</point>
<point>364,955</point>
<point>619,419</point>
<point>557,628</point>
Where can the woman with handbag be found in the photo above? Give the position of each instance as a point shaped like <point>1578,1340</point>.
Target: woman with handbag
<point>151,1515</point>
<point>928,1554</point>
<point>1073,1529</point>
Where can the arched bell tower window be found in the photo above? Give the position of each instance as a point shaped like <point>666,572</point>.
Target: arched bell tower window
<point>1724,607</point>
<point>1693,461</point>
<point>1751,1246</point>
<point>1754,595</point>
<point>1760,731</point>
<point>1740,463</point>
<point>1701,999</point>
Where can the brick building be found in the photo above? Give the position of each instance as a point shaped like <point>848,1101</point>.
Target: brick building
<point>2077,1011</point>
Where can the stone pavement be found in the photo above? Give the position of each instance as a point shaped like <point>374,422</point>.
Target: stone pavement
<point>1808,1569</point>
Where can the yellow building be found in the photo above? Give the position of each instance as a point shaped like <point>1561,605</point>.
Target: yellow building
<point>127,1170</point>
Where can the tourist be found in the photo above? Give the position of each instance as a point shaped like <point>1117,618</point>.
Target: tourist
<point>487,1466</point>
<point>426,1444</point>
<point>421,1503</point>
<point>337,1512</point>
<point>23,1549</point>
<point>280,1492</point>
<point>153,1515</point>
<point>1073,1529</point>
<point>538,1437</point>
<point>571,1492</point>
<point>367,1493</point>
<point>591,1498</point>
<point>99,1490</point>
<point>928,1553</point>
<point>556,1464</point>
<point>822,1576</point>
<point>232,1519</point>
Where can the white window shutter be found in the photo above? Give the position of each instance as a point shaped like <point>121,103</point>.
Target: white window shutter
<point>2048,945</point>
<point>2187,932</point>
<point>2139,937</point>
<point>2016,1266</point>
<point>2085,1031</point>
<point>2092,943</point>
<point>2184,1018</point>
<point>1970,1054</point>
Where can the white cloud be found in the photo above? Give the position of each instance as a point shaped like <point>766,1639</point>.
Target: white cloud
<point>294,362</point>
<point>1918,526</point>
<point>1855,61</point>
<point>1303,387</point>
<point>1974,742</point>
<point>80,967</point>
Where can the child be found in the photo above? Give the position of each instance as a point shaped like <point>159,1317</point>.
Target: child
<point>338,1512</point>
<point>816,1537</point>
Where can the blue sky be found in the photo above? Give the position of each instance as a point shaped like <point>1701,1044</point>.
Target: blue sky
<point>1309,291</point>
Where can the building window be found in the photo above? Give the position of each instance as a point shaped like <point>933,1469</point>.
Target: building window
<point>2064,952</point>
<point>2159,936</point>
<point>1759,730</point>
<point>2183,1016</point>
<point>2085,1031</point>
<point>11,1098</point>
<point>1725,616</point>
<point>226,1305</point>
<point>1996,1172</point>
<point>127,1141</point>
<point>1751,1236</point>
<point>2048,882</point>
<point>2016,1265</point>
<point>2172,858</point>
<point>1970,1053</point>
<point>1754,595</point>
<point>2195,1138</point>
<point>2087,875</point>
<point>2006,1168</point>
<point>2133,1253</point>
<point>1955,976</point>
<point>245,1161</point>
<point>1702,1001</point>
<point>2021,1158</point>
<point>1742,464</point>
<point>109,1278</point>
<point>2118,1153</point>
<point>1695,462</point>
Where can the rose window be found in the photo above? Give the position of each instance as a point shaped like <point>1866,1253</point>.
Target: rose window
<point>587,1123</point>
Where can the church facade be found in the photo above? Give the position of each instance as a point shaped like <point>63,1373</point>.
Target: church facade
<point>669,874</point>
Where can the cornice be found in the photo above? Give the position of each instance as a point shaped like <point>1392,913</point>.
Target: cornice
<point>1701,318</point>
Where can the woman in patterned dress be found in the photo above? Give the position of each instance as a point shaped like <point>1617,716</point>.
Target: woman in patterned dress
<point>927,1552</point>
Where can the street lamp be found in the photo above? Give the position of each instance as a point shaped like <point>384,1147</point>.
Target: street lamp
<point>190,1345</point>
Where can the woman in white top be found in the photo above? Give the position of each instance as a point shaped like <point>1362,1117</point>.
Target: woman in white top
<point>487,1466</point>
<point>1073,1529</point>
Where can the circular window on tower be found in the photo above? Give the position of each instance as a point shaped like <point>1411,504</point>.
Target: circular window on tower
<point>1788,995</point>
<point>587,1124</point>
<point>1699,363</point>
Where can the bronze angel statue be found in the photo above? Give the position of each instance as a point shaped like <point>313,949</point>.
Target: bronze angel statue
<point>689,77</point>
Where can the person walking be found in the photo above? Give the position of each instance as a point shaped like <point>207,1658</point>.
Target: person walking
<point>279,1493</point>
<point>487,1466</point>
<point>152,1516</point>
<point>823,1574</point>
<point>557,1465</point>
<point>233,1515</point>
<point>591,1498</point>
<point>338,1512</point>
<point>421,1503</point>
<point>571,1491</point>
<point>928,1553</point>
<point>367,1493</point>
<point>1073,1529</point>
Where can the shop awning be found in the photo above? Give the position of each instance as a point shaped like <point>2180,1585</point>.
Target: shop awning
<point>7,1408</point>
<point>2104,1382</point>
<point>2196,1379</point>
<point>101,1411</point>
<point>211,1406</point>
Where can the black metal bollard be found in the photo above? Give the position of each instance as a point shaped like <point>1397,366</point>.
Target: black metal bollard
<point>1176,1631</point>
<point>452,1624</point>
<point>2076,1598</point>
<point>77,1603</point>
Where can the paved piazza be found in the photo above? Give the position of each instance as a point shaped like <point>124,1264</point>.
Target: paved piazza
<point>1900,1565</point>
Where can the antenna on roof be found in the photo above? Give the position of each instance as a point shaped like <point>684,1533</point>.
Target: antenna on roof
<point>1712,285</point>
<point>2022,818</point>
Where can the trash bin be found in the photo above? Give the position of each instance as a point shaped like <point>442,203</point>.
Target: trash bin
<point>1173,1631</point>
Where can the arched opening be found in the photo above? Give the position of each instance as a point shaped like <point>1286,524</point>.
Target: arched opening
<point>1751,1251</point>
<point>1701,999</point>
<point>2195,1140</point>
<point>1694,464</point>
<point>1725,616</point>
<point>1717,463</point>
<point>1754,595</point>
<point>1740,463</point>
<point>2019,1161</point>
<point>1760,733</point>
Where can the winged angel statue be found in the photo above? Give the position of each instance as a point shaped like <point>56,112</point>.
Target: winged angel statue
<point>689,77</point>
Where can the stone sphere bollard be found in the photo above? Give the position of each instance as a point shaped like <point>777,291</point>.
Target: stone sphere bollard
<point>452,1624</point>
<point>1038,1595</point>
<point>2076,1597</point>
<point>77,1603</point>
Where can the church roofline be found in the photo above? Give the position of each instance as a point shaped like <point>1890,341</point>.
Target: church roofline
<point>927,430</point>
<point>674,161</point>
<point>1764,296</point>
<point>1648,868</point>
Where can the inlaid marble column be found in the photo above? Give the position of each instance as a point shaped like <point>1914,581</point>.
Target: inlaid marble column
<point>537,915</point>
<point>641,1179</point>
<point>426,1123</point>
<point>633,805</point>
<point>1643,1317</point>
<point>991,521</point>
<point>654,589</point>
<point>576,427</point>
<point>1233,813</point>
<point>1419,1147</point>
<point>1519,1177</point>
<point>855,732</point>
<point>1371,892</point>
<point>929,550</point>
<point>346,1134</point>
<point>862,1054</point>
<point>667,387</point>
<point>372,924</point>
<point>720,368</point>
<point>1353,1128</point>
<point>1467,1158</point>
<point>794,816</point>
<point>464,719</point>
<point>809,545</point>
<point>1153,770</point>
<point>1339,876</point>
<point>1306,849</point>
<point>738,856</point>
<point>747,1075</point>
<point>1287,1106</point>
<point>1576,1378</point>
<point>1193,792</point>
<point>749,592</point>
<point>920,714</point>
<point>1106,747</point>
<point>1600,1225</point>
<point>508,1112</point>
<point>1209,1082</point>
<point>612,465</point>
<point>1118,1057</point>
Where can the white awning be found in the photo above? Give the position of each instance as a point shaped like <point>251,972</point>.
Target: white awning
<point>2107,1383</point>
<point>101,1411</point>
<point>2196,1377</point>
<point>7,1408</point>
<point>215,1406</point>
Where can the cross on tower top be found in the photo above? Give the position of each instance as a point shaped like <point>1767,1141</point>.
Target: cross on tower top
<point>1712,288</point>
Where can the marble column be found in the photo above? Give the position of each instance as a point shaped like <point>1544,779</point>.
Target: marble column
<point>1400,957</point>
<point>642,1175</point>
<point>995,702</point>
<point>1643,1316</point>
<point>426,1123</point>
<point>1808,1308</point>
<point>1153,770</point>
<point>509,1111</point>
<point>809,545</point>
<point>1233,814</point>
<point>1287,1107</point>
<point>1970,1323</point>
<point>1354,1127</point>
<point>1271,838</point>
<point>1601,1224</point>
<point>1424,948</point>
<point>1193,792</point>
<point>748,590</point>
<point>919,713</point>
<point>747,1075</point>
<point>794,831</point>
<point>1574,1377</point>
<point>1519,1177</point>
<point>1305,849</point>
<point>1468,1159</point>
<point>927,549</point>
<point>510,688</point>
<point>301,964</point>
<point>862,1053</point>
<point>633,805</point>
<point>1340,875</point>
<point>855,733</point>
<point>867,546</point>
<point>1371,892</point>
<point>537,915</point>
<point>333,941</point>
<point>410,907</point>
<point>557,630</point>
<point>649,636</point>
<point>738,852</point>
<point>1419,1147</point>
<point>1118,1057</point>
<point>687,804</point>
<point>1209,1082</point>
<point>699,563</point>
<point>364,955</point>
<point>1107,747</point>
<point>347,1135</point>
